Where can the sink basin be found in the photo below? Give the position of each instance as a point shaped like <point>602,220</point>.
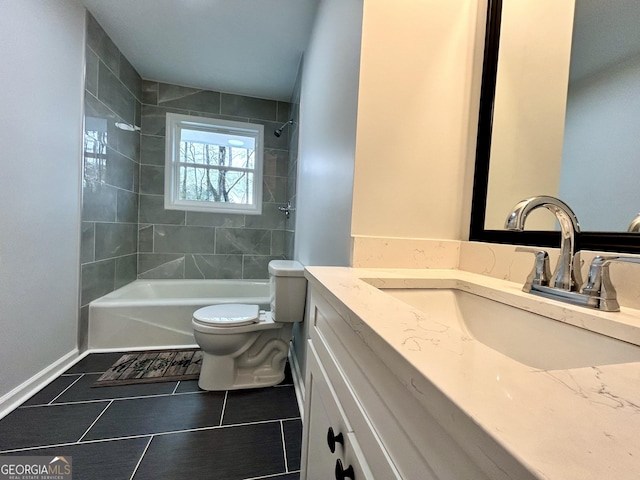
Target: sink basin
<point>526,337</point>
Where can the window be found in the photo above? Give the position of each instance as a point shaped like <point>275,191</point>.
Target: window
<point>213,165</point>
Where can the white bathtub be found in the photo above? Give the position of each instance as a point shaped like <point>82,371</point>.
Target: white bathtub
<point>150,313</point>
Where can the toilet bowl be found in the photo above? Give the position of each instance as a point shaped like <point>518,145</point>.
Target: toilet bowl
<point>244,347</point>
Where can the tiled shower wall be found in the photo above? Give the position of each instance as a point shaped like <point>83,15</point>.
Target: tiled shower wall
<point>113,95</point>
<point>178,244</point>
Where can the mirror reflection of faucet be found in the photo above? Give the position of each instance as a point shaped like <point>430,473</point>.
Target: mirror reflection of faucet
<point>565,283</point>
<point>634,227</point>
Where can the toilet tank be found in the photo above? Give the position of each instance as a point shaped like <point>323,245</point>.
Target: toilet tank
<point>288,290</point>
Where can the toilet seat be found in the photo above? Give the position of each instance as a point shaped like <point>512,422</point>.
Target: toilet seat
<point>228,315</point>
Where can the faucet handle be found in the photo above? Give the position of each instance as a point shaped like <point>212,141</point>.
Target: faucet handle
<point>541,272</point>
<point>598,285</point>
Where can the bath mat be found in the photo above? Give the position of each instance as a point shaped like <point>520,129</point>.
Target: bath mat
<point>153,366</point>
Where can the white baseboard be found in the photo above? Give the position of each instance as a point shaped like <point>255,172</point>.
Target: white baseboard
<point>13,399</point>
<point>298,381</point>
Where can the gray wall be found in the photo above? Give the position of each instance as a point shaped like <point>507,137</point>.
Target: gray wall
<point>178,244</point>
<point>110,171</point>
<point>41,53</point>
<point>294,137</point>
<point>299,329</point>
<point>601,142</point>
<point>328,113</point>
<point>328,100</point>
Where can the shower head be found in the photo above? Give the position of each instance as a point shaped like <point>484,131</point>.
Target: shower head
<point>278,131</point>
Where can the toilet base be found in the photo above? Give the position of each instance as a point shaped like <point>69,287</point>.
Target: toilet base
<point>260,363</point>
<point>219,373</point>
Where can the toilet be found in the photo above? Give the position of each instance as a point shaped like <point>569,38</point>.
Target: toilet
<point>244,347</point>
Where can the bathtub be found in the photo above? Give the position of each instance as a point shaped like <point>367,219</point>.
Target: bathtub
<point>157,313</point>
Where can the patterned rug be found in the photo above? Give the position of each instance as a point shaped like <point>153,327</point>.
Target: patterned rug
<point>153,366</point>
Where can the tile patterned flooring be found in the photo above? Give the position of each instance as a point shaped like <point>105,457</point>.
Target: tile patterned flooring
<point>168,430</point>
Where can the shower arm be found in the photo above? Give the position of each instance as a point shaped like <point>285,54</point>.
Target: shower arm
<point>278,131</point>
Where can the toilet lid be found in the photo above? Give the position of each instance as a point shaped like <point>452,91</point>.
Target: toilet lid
<point>229,314</point>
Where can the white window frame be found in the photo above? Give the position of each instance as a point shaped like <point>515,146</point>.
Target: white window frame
<point>174,124</point>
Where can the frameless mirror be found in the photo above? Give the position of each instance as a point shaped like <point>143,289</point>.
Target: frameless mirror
<point>559,109</point>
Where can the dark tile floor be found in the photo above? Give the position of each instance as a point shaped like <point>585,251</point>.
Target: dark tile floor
<point>168,430</point>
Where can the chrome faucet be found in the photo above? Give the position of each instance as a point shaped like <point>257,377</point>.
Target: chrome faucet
<point>565,284</point>
<point>566,275</point>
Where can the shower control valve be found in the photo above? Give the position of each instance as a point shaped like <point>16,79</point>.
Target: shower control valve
<point>286,209</point>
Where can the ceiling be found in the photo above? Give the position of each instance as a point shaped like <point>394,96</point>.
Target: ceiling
<point>606,33</point>
<point>246,47</point>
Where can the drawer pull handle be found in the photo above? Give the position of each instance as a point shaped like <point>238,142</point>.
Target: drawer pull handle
<point>332,439</point>
<point>341,473</point>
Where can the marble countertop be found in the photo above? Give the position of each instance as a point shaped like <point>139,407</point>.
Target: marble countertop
<point>581,423</point>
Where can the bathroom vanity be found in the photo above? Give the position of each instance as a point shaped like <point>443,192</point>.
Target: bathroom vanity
<point>420,374</point>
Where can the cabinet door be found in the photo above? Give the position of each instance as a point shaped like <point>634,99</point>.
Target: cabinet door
<point>324,412</point>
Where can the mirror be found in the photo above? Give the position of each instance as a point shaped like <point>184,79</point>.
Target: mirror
<point>558,116</point>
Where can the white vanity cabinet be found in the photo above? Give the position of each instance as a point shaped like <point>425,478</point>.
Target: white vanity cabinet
<point>335,424</point>
<point>331,444</point>
<point>418,398</point>
<point>386,433</point>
